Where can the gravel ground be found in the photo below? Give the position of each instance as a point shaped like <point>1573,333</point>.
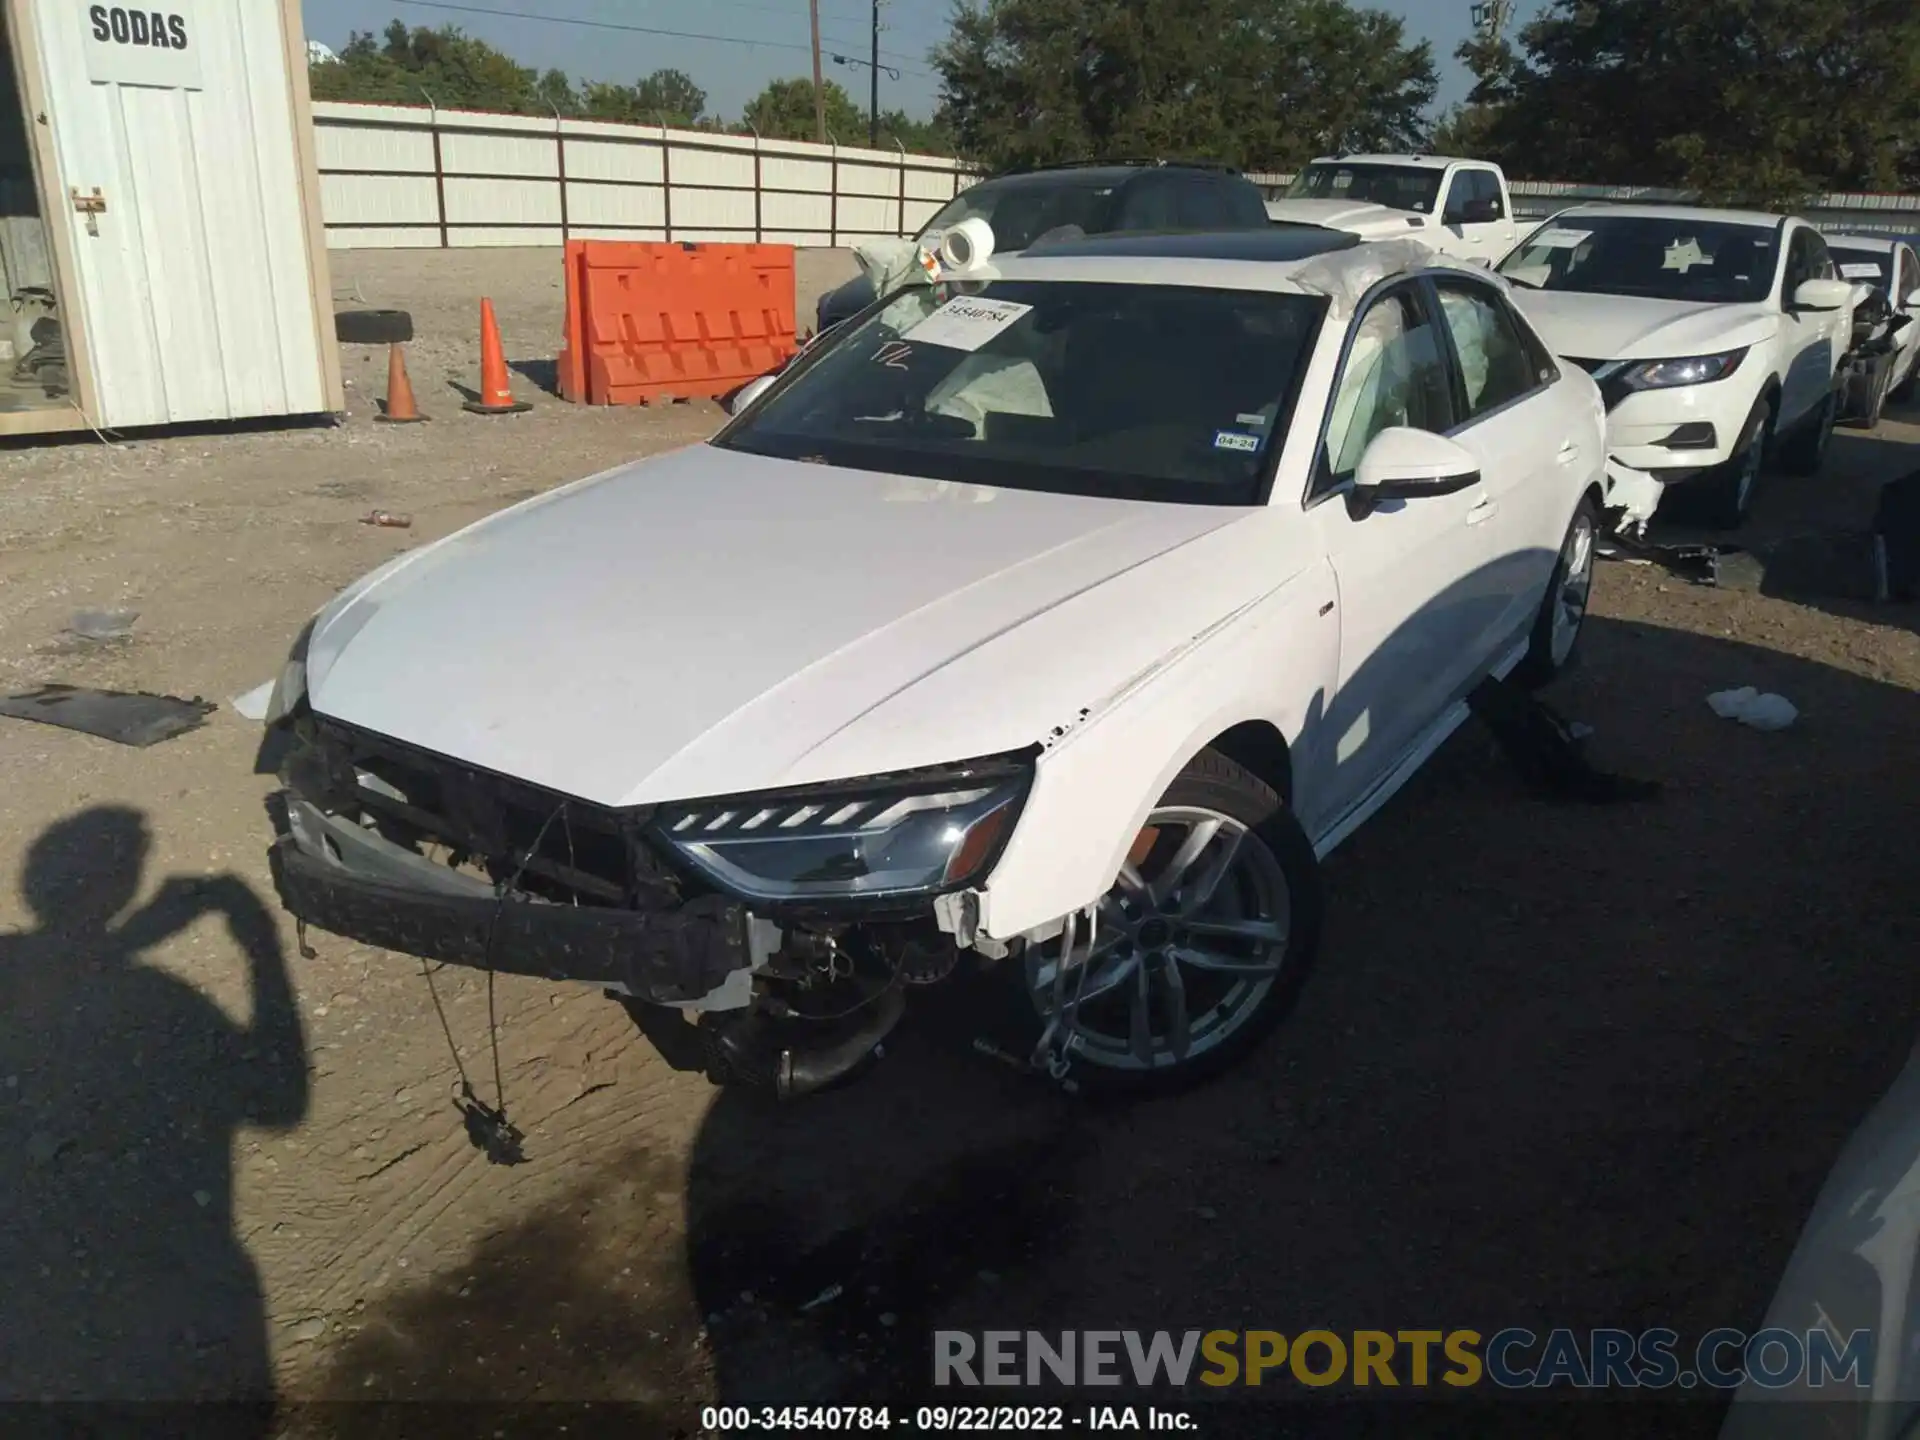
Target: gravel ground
<point>1559,1066</point>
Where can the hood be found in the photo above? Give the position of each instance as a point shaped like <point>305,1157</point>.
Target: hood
<point>1627,327</point>
<point>1375,222</point>
<point>710,622</point>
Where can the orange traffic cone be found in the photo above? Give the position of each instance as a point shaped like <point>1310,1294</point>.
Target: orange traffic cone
<point>495,397</point>
<point>400,407</point>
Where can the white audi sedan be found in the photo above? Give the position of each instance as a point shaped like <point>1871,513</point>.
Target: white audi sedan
<point>1041,631</point>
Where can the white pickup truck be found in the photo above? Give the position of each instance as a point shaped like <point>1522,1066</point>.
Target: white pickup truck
<point>1459,207</point>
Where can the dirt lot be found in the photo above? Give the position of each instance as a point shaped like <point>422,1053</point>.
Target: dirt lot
<point>1560,1066</point>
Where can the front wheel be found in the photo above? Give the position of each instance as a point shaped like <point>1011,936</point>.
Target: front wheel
<point>1805,451</point>
<point>1198,950</point>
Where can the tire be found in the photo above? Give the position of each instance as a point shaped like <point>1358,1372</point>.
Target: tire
<point>1726,497</point>
<point>1272,864</point>
<point>1804,451</point>
<point>1553,647</point>
<point>372,327</point>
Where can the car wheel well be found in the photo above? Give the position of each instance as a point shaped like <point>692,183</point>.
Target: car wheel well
<point>1259,747</point>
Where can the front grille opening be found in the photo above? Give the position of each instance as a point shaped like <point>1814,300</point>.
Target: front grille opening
<point>582,854</point>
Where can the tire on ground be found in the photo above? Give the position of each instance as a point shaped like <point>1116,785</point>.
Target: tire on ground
<point>1537,667</point>
<point>372,327</point>
<point>1209,780</point>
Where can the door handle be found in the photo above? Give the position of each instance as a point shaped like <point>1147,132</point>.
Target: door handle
<point>1482,512</point>
<point>1569,453</point>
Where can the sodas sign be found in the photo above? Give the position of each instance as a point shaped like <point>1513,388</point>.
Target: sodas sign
<point>134,44</point>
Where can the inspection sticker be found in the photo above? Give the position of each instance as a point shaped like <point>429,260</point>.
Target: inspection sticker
<point>1861,270</point>
<point>1232,440</point>
<point>1559,239</point>
<point>966,322</point>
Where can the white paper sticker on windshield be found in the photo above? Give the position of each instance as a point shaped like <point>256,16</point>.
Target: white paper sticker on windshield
<point>1683,255</point>
<point>1861,270</point>
<point>966,322</point>
<point>1559,239</point>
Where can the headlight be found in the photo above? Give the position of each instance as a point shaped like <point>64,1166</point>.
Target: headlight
<point>1692,370</point>
<point>917,833</point>
<point>291,686</point>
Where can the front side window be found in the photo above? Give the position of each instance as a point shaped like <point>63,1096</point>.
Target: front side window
<point>1496,364</point>
<point>1393,375</point>
<point>1021,211</point>
<point>1697,261</point>
<point>1800,263</point>
<point>1398,187</point>
<point>1909,276</point>
<point>1134,391</point>
<point>1473,188</point>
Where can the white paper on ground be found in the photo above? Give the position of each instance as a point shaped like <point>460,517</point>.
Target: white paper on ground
<point>1748,706</point>
<point>966,322</point>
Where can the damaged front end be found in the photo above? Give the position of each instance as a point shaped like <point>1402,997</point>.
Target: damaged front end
<point>764,939</point>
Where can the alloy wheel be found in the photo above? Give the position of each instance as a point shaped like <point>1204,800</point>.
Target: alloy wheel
<point>1184,948</point>
<point>1576,587</point>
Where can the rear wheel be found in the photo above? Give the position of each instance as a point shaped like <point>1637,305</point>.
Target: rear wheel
<point>1198,950</point>
<point>1805,450</point>
<point>1555,640</point>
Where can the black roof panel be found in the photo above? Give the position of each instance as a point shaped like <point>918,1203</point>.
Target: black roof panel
<point>1277,243</point>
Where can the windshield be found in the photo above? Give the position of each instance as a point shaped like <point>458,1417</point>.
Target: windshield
<point>1398,187</point>
<point>1021,211</point>
<point>1867,266</point>
<point>1145,392</point>
<point>1706,262</point>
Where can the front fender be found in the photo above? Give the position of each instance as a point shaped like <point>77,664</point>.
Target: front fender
<point>1101,774</point>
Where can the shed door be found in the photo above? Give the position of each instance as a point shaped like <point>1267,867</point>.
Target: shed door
<point>194,280</point>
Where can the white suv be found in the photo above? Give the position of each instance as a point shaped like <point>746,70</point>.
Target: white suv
<point>1716,337</point>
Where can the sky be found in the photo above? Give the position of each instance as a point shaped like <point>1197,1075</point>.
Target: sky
<point>754,41</point>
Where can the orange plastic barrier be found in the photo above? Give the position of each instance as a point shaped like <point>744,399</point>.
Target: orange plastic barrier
<point>650,321</point>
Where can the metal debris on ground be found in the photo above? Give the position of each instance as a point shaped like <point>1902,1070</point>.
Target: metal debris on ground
<point>129,718</point>
<point>1751,708</point>
<point>103,624</point>
<point>387,520</point>
<point>826,1297</point>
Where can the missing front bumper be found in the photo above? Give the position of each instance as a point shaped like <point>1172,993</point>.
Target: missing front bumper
<point>668,957</point>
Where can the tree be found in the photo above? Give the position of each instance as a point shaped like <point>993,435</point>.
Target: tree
<point>784,111</point>
<point>1761,102</point>
<point>459,72</point>
<point>1250,82</point>
<point>665,96</point>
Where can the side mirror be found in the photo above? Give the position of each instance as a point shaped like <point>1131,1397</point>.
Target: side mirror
<point>1402,463</point>
<point>1912,301</point>
<point>750,392</point>
<point>1822,295</point>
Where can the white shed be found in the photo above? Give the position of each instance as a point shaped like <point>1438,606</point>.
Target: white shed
<point>161,244</point>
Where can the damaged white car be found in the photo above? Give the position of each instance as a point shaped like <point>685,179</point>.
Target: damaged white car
<point>1718,338</point>
<point>1050,622</point>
